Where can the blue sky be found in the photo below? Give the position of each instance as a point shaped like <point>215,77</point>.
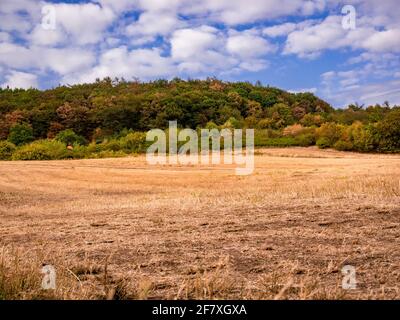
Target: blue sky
<point>342,56</point>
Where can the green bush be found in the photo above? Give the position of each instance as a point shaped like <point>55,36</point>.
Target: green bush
<point>232,123</point>
<point>323,143</point>
<point>41,150</point>
<point>342,145</point>
<point>281,115</point>
<point>266,123</point>
<point>364,138</point>
<point>306,139</point>
<point>6,150</point>
<point>94,147</point>
<point>134,142</point>
<point>388,132</point>
<point>69,137</point>
<point>112,145</point>
<point>78,152</point>
<point>310,120</point>
<point>262,136</point>
<point>20,134</point>
<point>331,132</point>
<point>211,125</point>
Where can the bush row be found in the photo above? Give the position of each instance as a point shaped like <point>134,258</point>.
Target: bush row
<point>380,137</point>
<point>60,148</point>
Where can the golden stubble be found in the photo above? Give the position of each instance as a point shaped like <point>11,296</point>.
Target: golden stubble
<point>121,229</point>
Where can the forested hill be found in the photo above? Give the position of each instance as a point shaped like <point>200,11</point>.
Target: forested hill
<point>115,105</point>
<point>109,117</point>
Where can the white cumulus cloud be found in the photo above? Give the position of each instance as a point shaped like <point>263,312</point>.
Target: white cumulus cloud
<point>20,80</point>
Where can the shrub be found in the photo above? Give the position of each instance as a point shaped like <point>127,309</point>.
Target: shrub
<point>293,130</point>
<point>94,147</point>
<point>41,150</point>
<point>112,145</point>
<point>211,125</point>
<point>389,132</point>
<point>364,138</point>
<point>134,142</point>
<point>78,152</point>
<point>20,134</point>
<point>69,137</point>
<point>323,143</point>
<point>100,134</point>
<point>265,123</point>
<point>343,145</point>
<point>6,150</point>
<point>260,136</point>
<point>306,139</point>
<point>311,120</point>
<point>266,137</point>
<point>281,115</point>
<point>232,123</point>
<point>331,132</point>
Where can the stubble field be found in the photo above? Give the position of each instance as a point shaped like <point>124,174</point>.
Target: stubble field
<point>121,229</point>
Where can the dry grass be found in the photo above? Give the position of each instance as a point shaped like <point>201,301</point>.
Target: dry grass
<point>120,229</point>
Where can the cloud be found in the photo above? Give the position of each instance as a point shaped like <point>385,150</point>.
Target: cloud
<point>375,57</point>
<point>161,5</point>
<point>194,51</point>
<point>14,22</point>
<point>363,85</point>
<point>199,50</point>
<point>120,62</point>
<point>384,13</point>
<point>19,15</point>
<point>4,37</point>
<point>60,60</point>
<point>76,23</point>
<point>234,12</point>
<point>329,34</point>
<point>21,80</point>
<point>253,65</point>
<point>40,36</point>
<point>198,38</point>
<point>83,23</point>
<point>247,45</point>
<point>383,41</point>
<point>207,49</point>
<point>373,93</point>
<point>279,30</point>
<point>230,12</point>
<point>250,48</point>
<point>328,75</point>
<point>152,24</point>
<point>189,43</point>
<point>118,6</point>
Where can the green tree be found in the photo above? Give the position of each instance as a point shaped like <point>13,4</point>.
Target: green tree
<point>21,134</point>
<point>6,150</point>
<point>328,134</point>
<point>281,115</point>
<point>69,137</point>
<point>389,131</point>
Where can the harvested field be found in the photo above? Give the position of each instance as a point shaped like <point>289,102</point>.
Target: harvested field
<point>121,229</point>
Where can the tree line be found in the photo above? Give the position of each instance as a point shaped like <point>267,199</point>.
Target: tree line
<point>94,115</point>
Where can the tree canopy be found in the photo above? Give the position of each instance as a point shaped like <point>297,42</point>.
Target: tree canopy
<point>112,109</point>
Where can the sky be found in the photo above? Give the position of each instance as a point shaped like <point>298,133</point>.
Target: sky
<point>342,51</point>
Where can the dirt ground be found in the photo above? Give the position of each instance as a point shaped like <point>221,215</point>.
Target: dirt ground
<point>121,229</point>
